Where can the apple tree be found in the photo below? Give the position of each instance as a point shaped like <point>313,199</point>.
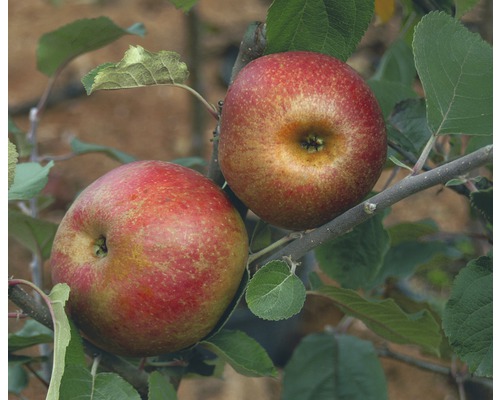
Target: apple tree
<point>434,88</point>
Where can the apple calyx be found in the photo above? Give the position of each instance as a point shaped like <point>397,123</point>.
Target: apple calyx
<point>313,143</point>
<point>100,248</point>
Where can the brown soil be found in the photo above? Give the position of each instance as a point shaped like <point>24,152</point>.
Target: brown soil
<point>159,123</point>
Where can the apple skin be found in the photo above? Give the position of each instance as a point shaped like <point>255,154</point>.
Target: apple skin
<point>302,138</point>
<point>174,254</point>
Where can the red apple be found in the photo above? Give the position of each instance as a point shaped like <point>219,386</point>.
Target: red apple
<point>302,138</point>
<point>153,254</point>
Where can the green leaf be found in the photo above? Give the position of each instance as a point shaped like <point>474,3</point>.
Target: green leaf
<point>35,234</point>
<point>29,180</point>
<point>343,367</point>
<point>456,70</point>
<point>138,68</point>
<point>410,231</point>
<point>31,334</point>
<point>408,126</point>
<point>275,292</point>
<point>243,353</point>
<point>401,261</point>
<point>332,27</point>
<point>261,236</point>
<point>355,258</point>
<point>62,336</point>
<point>386,319</point>
<point>397,65</point>
<point>482,201</point>
<point>82,385</point>
<point>184,5</point>
<point>18,378</point>
<point>389,93</point>
<point>160,387</point>
<point>57,48</point>
<point>468,316</point>
<point>79,147</point>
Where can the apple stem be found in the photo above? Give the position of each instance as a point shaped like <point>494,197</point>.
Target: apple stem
<point>275,245</point>
<point>292,264</point>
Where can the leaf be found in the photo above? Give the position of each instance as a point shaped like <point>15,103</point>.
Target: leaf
<point>35,234</point>
<point>160,388</point>
<point>62,336</point>
<point>29,180</point>
<point>456,70</point>
<point>22,143</point>
<point>408,126</point>
<point>31,334</point>
<point>343,367</point>
<point>332,27</point>
<point>468,316</point>
<point>261,236</point>
<point>184,5</point>
<point>78,147</point>
<point>82,385</point>
<point>243,353</point>
<point>18,378</point>
<point>390,93</point>
<point>482,201</point>
<point>58,47</point>
<point>138,68</point>
<point>190,162</point>
<point>386,319</point>
<point>410,231</point>
<point>397,65</point>
<point>354,258</point>
<point>275,292</point>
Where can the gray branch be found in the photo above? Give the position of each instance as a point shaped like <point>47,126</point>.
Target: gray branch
<point>376,204</point>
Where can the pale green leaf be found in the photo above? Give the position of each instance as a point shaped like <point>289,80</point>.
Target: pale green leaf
<point>340,367</point>
<point>13,156</point>
<point>386,318</point>
<point>58,47</point>
<point>62,336</point>
<point>330,27</point>
<point>30,178</point>
<point>390,93</point>
<point>138,68</point>
<point>275,292</point>
<point>17,378</point>
<point>456,70</point>
<point>242,352</point>
<point>468,316</point>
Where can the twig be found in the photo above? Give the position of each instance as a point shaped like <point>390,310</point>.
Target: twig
<point>405,188</point>
<point>110,362</point>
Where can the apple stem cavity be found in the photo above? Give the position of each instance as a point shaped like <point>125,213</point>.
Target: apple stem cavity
<point>313,143</point>
<point>100,248</point>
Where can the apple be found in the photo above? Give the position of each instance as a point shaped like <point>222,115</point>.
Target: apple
<point>302,138</point>
<point>153,253</point>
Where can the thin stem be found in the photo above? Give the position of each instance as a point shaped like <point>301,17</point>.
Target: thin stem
<point>210,107</point>
<point>425,154</point>
<point>273,246</point>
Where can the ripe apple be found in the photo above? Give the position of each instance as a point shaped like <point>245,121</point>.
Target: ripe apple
<point>153,254</point>
<point>302,138</point>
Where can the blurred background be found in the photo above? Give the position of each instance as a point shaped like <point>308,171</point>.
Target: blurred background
<point>166,123</point>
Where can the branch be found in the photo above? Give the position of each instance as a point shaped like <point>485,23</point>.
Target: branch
<point>360,213</point>
<point>110,362</point>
